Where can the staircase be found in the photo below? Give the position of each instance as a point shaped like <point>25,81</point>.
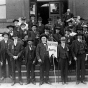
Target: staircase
<point>71,75</point>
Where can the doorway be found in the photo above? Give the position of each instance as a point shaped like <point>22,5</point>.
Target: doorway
<point>43,11</point>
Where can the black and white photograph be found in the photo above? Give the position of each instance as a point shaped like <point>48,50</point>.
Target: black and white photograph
<point>44,43</point>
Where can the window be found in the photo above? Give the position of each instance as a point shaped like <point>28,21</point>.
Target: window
<point>2,9</point>
<point>54,8</point>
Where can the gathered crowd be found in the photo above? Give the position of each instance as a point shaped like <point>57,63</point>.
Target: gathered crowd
<point>28,41</point>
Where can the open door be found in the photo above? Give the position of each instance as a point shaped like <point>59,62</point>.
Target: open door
<point>43,11</point>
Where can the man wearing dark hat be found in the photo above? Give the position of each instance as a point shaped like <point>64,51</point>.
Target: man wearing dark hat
<point>60,24</point>
<point>15,51</point>
<point>40,26</point>
<point>34,34</point>
<point>57,35</point>
<point>30,58</point>
<point>67,15</point>
<point>85,32</point>
<point>62,53</point>
<point>16,29</point>
<point>4,44</point>
<point>11,32</point>
<point>79,49</point>
<point>50,25</point>
<point>42,55</point>
<point>32,21</point>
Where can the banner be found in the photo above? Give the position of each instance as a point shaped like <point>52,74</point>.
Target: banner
<point>52,48</point>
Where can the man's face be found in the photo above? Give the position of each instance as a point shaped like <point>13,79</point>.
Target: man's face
<point>16,23</point>
<point>62,42</point>
<point>68,10</point>
<point>59,20</point>
<point>15,38</point>
<point>67,32</point>
<point>30,42</point>
<point>44,39</point>
<point>5,37</point>
<point>57,31</point>
<point>46,32</point>
<point>80,37</point>
<point>39,21</point>
<point>84,29</point>
<point>34,28</point>
<point>10,29</point>
<point>32,18</point>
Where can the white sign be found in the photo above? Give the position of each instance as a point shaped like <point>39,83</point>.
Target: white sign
<point>52,47</point>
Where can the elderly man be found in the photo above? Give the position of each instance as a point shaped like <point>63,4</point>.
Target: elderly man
<point>42,54</point>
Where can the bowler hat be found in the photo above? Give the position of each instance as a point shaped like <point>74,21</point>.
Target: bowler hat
<point>15,20</point>
<point>63,38</point>
<point>43,35</point>
<point>30,39</point>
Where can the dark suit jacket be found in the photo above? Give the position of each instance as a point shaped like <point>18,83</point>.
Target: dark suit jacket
<point>30,55</point>
<point>41,51</point>
<point>62,53</point>
<point>15,50</point>
<point>75,47</point>
<point>2,48</point>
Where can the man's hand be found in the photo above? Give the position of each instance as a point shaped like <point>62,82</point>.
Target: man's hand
<point>33,62</point>
<point>1,63</point>
<point>86,57</point>
<point>75,58</point>
<point>69,62</point>
<point>39,60</point>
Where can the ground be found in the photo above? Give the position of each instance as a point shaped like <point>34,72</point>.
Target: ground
<point>69,85</point>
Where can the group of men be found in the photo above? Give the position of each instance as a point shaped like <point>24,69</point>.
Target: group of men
<point>28,41</point>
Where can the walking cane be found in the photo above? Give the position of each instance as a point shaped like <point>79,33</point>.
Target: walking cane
<point>54,70</point>
<point>76,70</point>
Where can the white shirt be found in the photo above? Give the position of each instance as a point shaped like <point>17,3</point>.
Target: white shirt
<point>15,42</point>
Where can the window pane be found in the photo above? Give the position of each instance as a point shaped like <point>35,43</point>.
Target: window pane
<point>2,2</point>
<point>3,12</point>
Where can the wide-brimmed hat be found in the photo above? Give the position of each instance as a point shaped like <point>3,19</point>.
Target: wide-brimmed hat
<point>5,33</point>
<point>10,26</point>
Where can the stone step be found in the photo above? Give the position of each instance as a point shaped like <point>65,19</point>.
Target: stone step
<point>37,79</point>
